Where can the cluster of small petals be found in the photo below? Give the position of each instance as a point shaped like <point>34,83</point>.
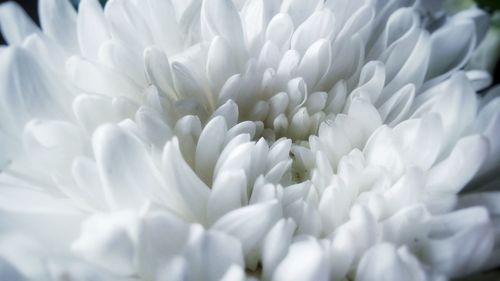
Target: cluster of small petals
<point>275,140</point>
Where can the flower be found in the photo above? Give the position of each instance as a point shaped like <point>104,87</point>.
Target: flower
<point>242,140</point>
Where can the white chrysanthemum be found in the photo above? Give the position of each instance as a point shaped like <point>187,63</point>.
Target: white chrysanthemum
<point>276,140</point>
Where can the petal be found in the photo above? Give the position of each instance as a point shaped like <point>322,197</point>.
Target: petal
<point>396,108</point>
<point>58,20</point>
<point>99,79</point>
<point>480,19</point>
<point>299,10</point>
<point>317,26</point>
<point>315,62</point>
<point>210,254</point>
<point>91,28</point>
<point>488,125</point>
<point>27,90</point>
<point>456,103</point>
<point>250,225</point>
<point>220,17</point>
<point>234,273</point>
<point>459,243</point>
<point>366,114</point>
<point>152,125</point>
<point>122,60</point>
<point>106,239</point>
<point>229,111</point>
<point>280,30</point>
<point>127,24</point>
<point>158,71</point>
<point>15,24</point>
<point>229,192</point>
<point>220,63</point>
<point>9,272</point>
<point>411,68</point>
<point>166,32</point>
<point>384,262</point>
<point>256,15</point>
<point>210,145</point>
<point>305,261</point>
<point>190,190</point>
<point>152,247</point>
<point>128,173</point>
<point>452,45</point>
<point>420,140</point>
<point>454,172</point>
<point>276,245</point>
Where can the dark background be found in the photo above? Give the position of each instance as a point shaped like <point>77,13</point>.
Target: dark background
<point>489,5</point>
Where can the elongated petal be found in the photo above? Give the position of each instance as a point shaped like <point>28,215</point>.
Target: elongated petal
<point>250,225</point>
<point>127,172</point>
<point>91,28</point>
<point>58,20</point>
<point>182,179</point>
<point>15,23</point>
<point>305,261</point>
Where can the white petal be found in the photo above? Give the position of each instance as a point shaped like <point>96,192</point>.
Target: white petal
<point>229,192</point>
<point>459,242</point>
<point>250,225</point>
<point>421,140</point>
<point>280,30</point>
<point>488,124</point>
<point>209,147</point>
<point>234,273</point>
<point>99,79</point>
<point>158,71</point>
<point>211,254</point>
<point>122,60</point>
<point>480,19</point>
<point>27,91</point>
<point>305,261</point>
<point>454,172</point>
<point>318,26</point>
<point>220,17</point>
<point>106,239</point>
<point>152,247</point>
<point>335,204</point>
<point>315,62</point>
<point>299,10</point>
<point>229,111</point>
<point>398,106</point>
<point>452,45</point>
<point>256,15</point>
<point>58,20</point>
<point>164,27</point>
<point>181,178</point>
<point>365,113</point>
<point>127,24</point>
<point>91,27</point>
<point>383,262</point>
<point>456,103</point>
<point>275,246</point>
<point>151,124</point>
<point>371,82</point>
<point>15,24</point>
<point>128,174</point>
<point>220,63</point>
<point>9,272</point>
<point>410,67</point>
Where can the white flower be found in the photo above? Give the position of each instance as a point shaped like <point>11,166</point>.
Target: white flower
<point>246,140</point>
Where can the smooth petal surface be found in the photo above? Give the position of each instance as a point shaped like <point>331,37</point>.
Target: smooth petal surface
<point>15,23</point>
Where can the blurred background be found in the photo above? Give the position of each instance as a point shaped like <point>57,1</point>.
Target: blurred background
<point>491,48</point>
